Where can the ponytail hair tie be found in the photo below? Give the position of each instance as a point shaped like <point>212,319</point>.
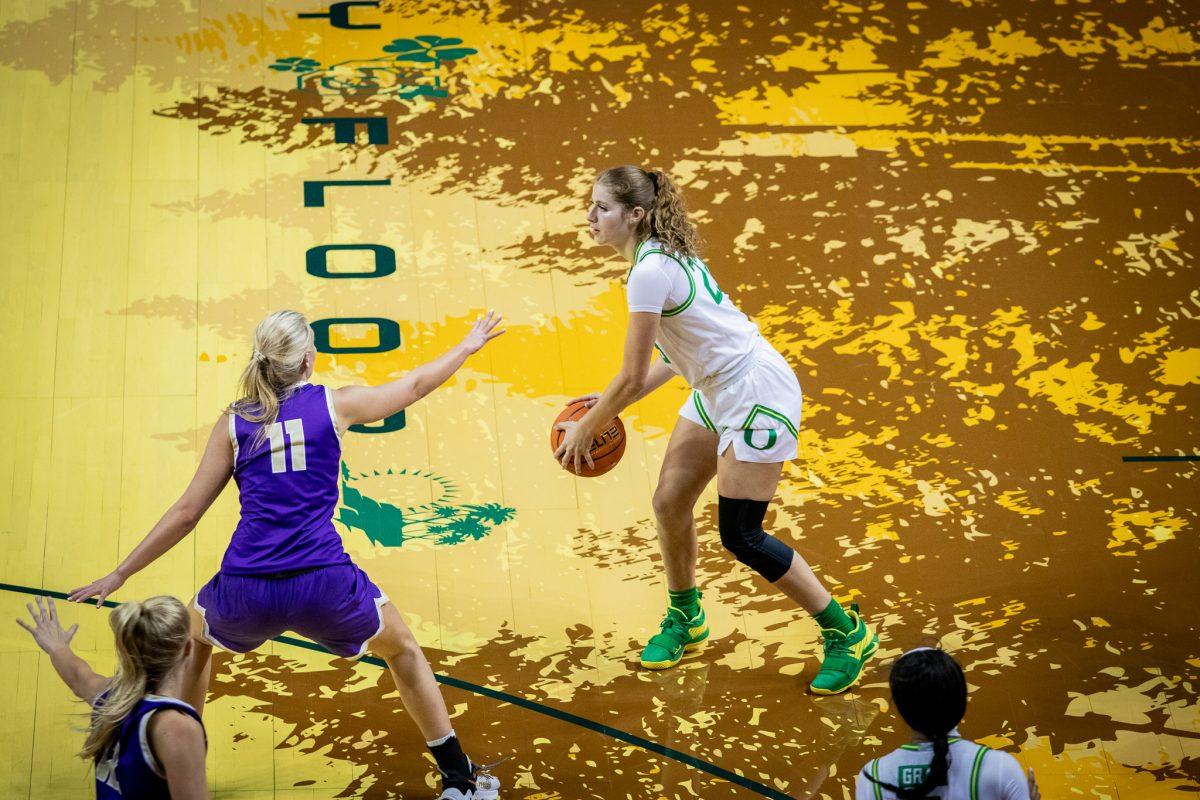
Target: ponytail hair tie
<point>257,356</point>
<point>653,176</point>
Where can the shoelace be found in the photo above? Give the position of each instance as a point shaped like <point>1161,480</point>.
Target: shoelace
<point>673,623</point>
<point>836,643</point>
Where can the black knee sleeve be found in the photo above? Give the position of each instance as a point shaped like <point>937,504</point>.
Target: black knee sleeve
<point>742,534</point>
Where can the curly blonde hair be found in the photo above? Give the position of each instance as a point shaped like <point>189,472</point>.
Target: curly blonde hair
<point>666,213</point>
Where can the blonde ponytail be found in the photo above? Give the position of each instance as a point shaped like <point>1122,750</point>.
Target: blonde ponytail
<point>151,636</point>
<point>281,341</point>
<point>666,213</point>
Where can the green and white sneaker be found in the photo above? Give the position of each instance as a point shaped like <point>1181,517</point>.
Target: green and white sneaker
<point>677,635</point>
<point>845,655</point>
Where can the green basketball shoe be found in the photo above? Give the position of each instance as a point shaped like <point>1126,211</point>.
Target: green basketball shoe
<point>845,655</point>
<point>677,635</point>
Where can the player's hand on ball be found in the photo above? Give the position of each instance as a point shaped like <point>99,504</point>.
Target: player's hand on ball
<point>483,332</point>
<point>575,446</point>
<point>582,446</point>
<point>588,400</point>
<point>46,630</point>
<point>99,589</point>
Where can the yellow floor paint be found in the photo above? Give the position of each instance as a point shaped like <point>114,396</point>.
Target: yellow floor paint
<point>970,227</point>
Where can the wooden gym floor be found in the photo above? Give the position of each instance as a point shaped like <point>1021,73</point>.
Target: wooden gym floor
<point>969,225</point>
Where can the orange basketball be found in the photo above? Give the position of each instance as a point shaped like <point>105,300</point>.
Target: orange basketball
<point>608,445</point>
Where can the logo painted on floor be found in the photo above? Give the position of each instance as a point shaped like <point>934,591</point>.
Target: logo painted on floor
<point>391,524</point>
<point>411,68</point>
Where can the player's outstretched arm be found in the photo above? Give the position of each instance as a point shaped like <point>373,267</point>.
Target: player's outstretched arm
<point>216,467</point>
<point>357,405</point>
<point>76,673</point>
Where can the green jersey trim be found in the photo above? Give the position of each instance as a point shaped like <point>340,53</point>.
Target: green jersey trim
<point>775,415</point>
<point>700,410</point>
<point>951,740</point>
<point>679,309</point>
<point>975,771</point>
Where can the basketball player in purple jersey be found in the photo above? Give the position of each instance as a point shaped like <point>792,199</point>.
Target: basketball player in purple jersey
<point>285,568</point>
<point>145,742</point>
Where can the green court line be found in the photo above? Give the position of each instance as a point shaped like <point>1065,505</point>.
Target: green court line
<point>516,700</point>
<point>1160,458</point>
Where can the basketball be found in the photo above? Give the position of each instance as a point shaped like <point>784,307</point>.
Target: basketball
<point>607,446</point>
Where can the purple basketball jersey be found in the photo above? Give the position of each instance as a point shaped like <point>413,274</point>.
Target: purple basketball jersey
<point>288,484</point>
<point>129,769</point>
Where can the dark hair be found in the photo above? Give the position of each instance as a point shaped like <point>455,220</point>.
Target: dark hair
<point>666,214</point>
<point>930,693</point>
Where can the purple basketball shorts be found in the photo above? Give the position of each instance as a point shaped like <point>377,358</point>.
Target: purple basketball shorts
<point>337,607</point>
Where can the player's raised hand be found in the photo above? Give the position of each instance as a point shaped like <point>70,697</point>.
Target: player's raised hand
<point>483,331</point>
<point>46,630</point>
<point>100,589</point>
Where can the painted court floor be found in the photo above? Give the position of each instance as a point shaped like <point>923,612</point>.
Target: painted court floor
<point>970,225</point>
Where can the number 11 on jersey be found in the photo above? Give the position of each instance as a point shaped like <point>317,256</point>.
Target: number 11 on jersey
<point>293,429</point>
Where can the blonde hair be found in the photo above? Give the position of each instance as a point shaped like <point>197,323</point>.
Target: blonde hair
<point>666,213</point>
<point>151,636</point>
<point>277,362</point>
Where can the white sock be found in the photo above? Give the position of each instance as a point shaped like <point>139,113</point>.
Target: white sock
<point>442,740</point>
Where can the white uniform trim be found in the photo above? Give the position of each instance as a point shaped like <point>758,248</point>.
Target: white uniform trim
<point>207,636</point>
<point>144,737</point>
<point>233,435</point>
<point>333,417</point>
<point>144,743</point>
<point>380,602</point>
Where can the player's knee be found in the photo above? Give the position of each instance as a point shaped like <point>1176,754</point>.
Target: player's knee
<point>396,642</point>
<point>671,503</point>
<point>742,534</point>
<point>394,648</point>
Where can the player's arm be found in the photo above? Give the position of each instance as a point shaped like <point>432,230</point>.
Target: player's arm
<point>629,384</point>
<point>76,673</point>
<point>216,467</point>
<point>177,741</point>
<point>658,374</point>
<point>363,404</point>
<point>632,380</point>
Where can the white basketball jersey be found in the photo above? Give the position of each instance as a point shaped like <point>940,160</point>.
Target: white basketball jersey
<point>976,773</point>
<point>702,335</point>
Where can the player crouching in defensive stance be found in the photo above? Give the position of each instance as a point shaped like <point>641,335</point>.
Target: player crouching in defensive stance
<point>285,568</point>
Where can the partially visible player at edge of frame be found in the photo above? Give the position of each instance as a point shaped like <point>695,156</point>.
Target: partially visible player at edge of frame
<point>285,567</point>
<point>930,693</point>
<point>146,743</point>
<point>739,423</point>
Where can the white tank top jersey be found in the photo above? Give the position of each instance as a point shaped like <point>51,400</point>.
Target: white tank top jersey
<point>702,335</point>
<point>976,773</point>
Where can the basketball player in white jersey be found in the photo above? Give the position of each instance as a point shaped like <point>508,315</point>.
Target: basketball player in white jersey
<point>930,693</point>
<point>738,424</point>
